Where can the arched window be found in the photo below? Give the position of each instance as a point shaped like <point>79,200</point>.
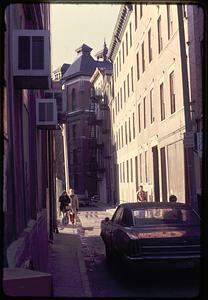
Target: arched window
<point>73,95</point>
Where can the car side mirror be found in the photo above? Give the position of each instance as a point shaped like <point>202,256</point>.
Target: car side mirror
<point>107,219</point>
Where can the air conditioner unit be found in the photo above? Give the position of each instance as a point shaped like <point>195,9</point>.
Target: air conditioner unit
<point>31,58</point>
<point>46,113</point>
<point>60,96</point>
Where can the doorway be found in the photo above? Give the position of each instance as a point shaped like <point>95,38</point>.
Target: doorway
<point>156,174</point>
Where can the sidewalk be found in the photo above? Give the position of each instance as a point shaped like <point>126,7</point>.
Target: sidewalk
<point>66,261</point>
<point>66,264</point>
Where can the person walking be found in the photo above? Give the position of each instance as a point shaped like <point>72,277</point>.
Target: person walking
<point>64,202</point>
<point>141,194</point>
<point>74,205</point>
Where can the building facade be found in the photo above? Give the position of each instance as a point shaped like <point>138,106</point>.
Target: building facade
<point>150,110</point>
<point>79,128</point>
<point>29,187</point>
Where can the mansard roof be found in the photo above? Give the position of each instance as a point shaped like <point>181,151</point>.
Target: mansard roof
<point>84,64</point>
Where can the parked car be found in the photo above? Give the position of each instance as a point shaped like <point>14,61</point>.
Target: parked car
<point>83,200</point>
<point>153,233</point>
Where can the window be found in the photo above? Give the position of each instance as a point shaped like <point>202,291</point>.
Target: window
<point>139,117</point>
<point>144,106</point>
<point>74,130</point>
<point>136,173</point>
<point>150,45</point>
<point>131,170</point>
<point>113,116</point>
<point>118,101</point>
<point>127,170</point>
<point>117,66</point>
<point>127,44</point>
<point>60,97</point>
<point>116,140</point>
<point>124,91</point>
<point>133,120</point>
<point>137,59</point>
<point>121,97</point>
<point>74,103</point>
<point>132,79</point>
<point>114,68</point>
<point>145,161</point>
<point>31,52</point>
<point>126,132</point>
<point>170,21</point>
<point>123,172</point>
<point>141,11</point>
<point>143,59</point>
<point>120,172</point>
<point>119,60</point>
<point>160,44</point>
<point>122,136</point>
<point>135,14</point>
<point>130,34</point>
<point>119,139</point>
<point>172,93</point>
<point>116,105</point>
<point>152,117</point>
<point>140,167</point>
<point>46,112</point>
<point>128,88</point>
<point>129,129</point>
<point>162,103</point>
<point>123,52</point>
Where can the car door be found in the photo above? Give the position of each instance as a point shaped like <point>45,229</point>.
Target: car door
<point>113,225</point>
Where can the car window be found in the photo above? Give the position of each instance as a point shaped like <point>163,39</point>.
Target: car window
<point>118,215</point>
<point>127,218</point>
<point>172,215</point>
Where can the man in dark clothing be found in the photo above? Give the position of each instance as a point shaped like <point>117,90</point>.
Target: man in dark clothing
<point>64,201</point>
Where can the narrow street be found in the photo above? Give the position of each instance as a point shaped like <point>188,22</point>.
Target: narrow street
<point>103,110</point>
<point>107,280</point>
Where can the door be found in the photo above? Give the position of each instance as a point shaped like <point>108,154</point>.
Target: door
<point>163,174</point>
<point>156,174</point>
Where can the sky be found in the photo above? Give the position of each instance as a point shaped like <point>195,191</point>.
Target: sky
<point>75,24</point>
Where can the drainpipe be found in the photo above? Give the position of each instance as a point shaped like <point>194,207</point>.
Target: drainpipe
<point>189,153</point>
<point>66,164</point>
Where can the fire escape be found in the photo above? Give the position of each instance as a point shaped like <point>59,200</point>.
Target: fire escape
<point>95,166</point>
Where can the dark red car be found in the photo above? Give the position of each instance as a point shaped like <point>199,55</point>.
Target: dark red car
<point>152,233</point>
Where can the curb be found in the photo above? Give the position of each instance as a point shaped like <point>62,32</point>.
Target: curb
<point>83,272</point>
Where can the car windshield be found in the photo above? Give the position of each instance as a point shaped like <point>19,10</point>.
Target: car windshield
<point>159,216</point>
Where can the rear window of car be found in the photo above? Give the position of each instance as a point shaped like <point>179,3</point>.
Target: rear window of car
<point>154,216</point>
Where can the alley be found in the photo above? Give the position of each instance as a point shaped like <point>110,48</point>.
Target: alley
<point>79,266</point>
<point>102,109</point>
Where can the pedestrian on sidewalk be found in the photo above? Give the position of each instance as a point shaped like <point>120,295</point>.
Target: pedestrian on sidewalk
<point>74,205</point>
<point>141,194</point>
<point>64,202</point>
